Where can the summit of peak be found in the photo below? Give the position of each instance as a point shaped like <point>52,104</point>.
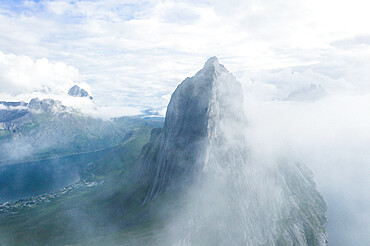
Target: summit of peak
<point>213,65</point>
<point>213,61</point>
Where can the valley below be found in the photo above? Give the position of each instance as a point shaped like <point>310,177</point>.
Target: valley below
<point>28,179</point>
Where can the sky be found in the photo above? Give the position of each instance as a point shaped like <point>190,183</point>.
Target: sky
<point>131,55</point>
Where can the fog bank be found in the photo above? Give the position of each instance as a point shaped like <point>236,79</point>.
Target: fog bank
<point>332,137</point>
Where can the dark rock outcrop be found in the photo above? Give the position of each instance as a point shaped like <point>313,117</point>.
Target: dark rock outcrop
<point>76,91</point>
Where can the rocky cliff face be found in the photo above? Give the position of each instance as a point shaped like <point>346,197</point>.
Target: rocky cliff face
<point>229,198</point>
<point>198,108</point>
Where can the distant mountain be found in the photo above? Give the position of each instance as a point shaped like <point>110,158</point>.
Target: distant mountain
<point>76,91</point>
<point>45,128</point>
<point>13,104</point>
<point>311,93</point>
<point>46,105</point>
<point>10,111</point>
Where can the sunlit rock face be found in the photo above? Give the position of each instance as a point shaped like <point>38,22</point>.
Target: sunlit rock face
<point>228,196</point>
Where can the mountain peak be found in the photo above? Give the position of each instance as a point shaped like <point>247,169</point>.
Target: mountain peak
<point>46,105</point>
<point>202,152</point>
<point>77,91</point>
<point>212,61</point>
<point>197,109</point>
<point>213,66</point>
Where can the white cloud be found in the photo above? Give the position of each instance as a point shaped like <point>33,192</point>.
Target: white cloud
<point>331,136</point>
<point>21,75</point>
<point>134,52</point>
<point>59,7</point>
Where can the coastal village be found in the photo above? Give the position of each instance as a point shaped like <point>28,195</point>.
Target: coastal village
<point>15,206</point>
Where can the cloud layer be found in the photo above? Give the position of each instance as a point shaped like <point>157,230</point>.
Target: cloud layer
<point>21,75</point>
<point>136,52</point>
<point>330,136</point>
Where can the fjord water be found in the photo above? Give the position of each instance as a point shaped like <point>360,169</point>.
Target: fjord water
<point>27,179</point>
